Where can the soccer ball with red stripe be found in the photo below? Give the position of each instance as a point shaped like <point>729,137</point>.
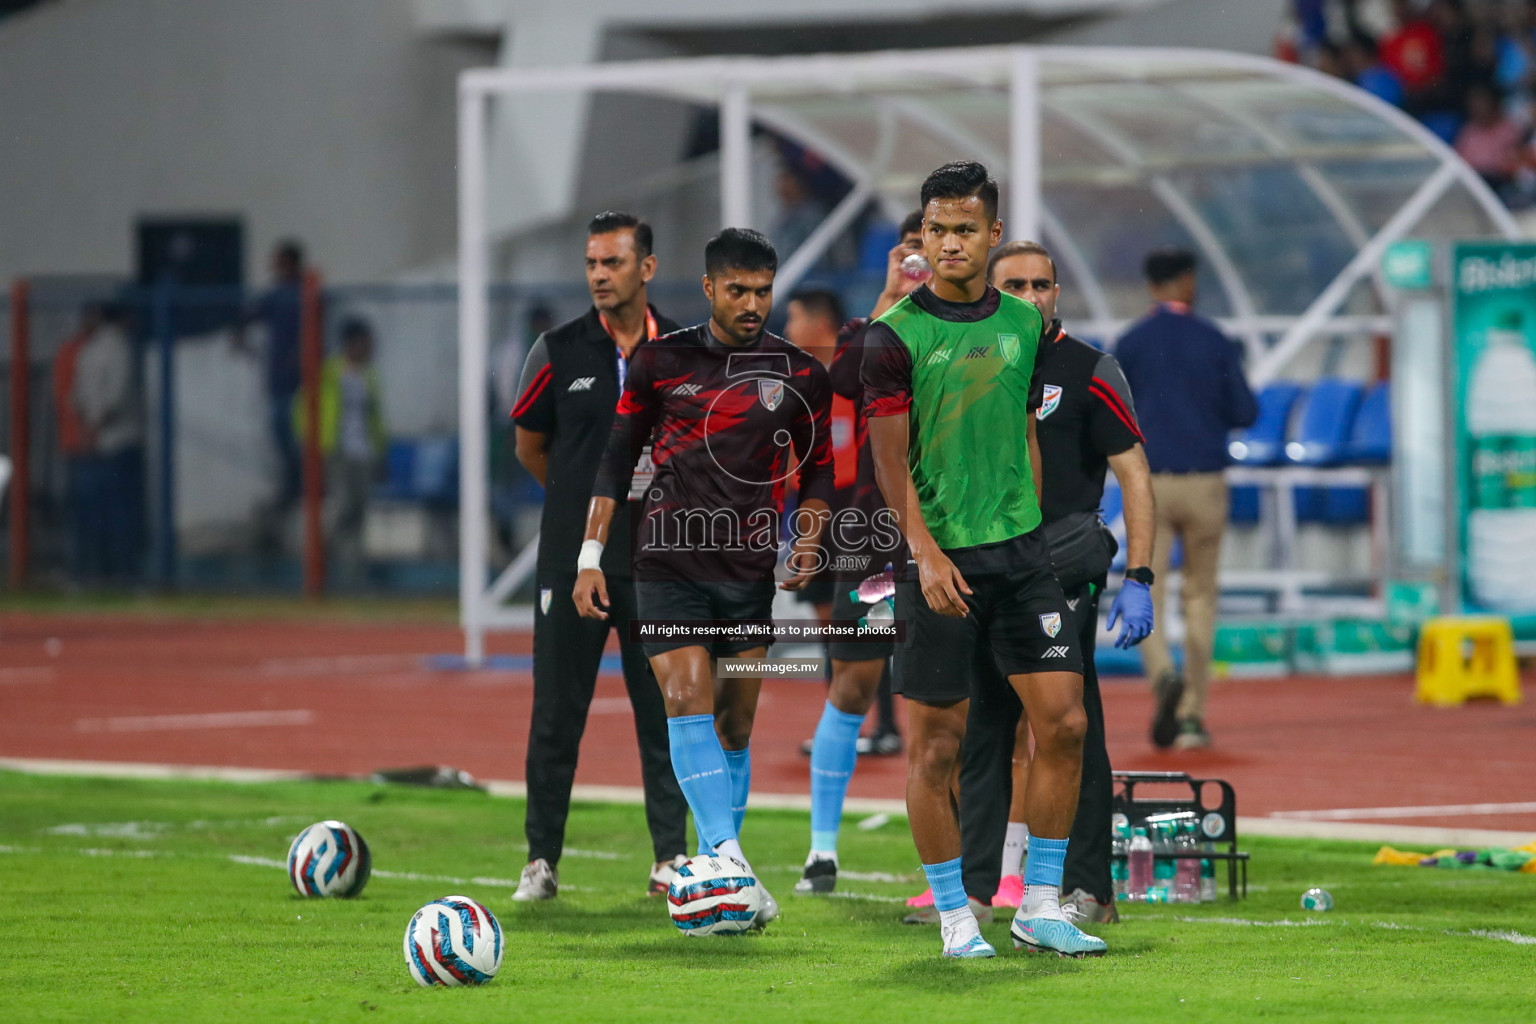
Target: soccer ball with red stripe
<point>329,859</point>
<point>714,895</point>
<point>453,941</point>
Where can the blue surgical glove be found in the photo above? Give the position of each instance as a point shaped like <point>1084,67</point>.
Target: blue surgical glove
<point>1133,608</point>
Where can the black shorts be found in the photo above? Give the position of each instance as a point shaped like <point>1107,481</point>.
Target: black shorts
<point>846,610</point>
<point>720,600</point>
<point>1020,618</point>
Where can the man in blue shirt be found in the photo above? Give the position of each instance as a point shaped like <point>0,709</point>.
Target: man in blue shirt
<point>1190,392</point>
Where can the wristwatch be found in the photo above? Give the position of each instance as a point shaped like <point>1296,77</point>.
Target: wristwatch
<point>1141,574</point>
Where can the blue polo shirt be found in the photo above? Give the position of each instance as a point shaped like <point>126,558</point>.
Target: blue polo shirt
<point>1190,391</point>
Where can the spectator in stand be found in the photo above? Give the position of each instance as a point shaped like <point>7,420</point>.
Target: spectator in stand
<point>101,431</point>
<point>1363,66</point>
<point>1415,53</point>
<point>280,311</point>
<point>1491,140</point>
<point>1515,71</point>
<point>351,440</point>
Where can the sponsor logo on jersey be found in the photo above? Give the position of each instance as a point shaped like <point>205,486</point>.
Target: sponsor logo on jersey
<point>687,389</point>
<point>770,393</point>
<point>546,595</point>
<point>1056,652</point>
<point>978,352</point>
<point>1008,344</point>
<point>1052,400</point>
<point>582,384</point>
<point>1072,603</point>
<point>1050,623</point>
<point>939,355</point>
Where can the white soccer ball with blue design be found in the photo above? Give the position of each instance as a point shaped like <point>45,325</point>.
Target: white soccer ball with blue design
<point>714,895</point>
<point>329,859</point>
<point>453,941</point>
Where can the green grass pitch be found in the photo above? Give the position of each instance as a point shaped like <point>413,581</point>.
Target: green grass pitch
<point>165,901</point>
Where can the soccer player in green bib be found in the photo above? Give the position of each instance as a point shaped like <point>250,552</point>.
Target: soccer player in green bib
<point>951,394</point>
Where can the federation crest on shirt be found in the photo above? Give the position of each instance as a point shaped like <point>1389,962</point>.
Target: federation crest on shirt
<point>1008,345</point>
<point>770,393</point>
<point>1052,400</point>
<point>1050,623</point>
<point>545,596</point>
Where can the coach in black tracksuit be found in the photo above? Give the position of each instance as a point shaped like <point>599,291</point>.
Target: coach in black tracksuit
<point>564,413</point>
<point>1086,424</point>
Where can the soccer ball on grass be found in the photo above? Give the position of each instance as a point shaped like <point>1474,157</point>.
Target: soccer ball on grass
<point>329,859</point>
<point>714,895</point>
<point>453,941</point>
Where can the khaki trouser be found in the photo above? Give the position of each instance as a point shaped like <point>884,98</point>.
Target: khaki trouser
<point>1193,506</point>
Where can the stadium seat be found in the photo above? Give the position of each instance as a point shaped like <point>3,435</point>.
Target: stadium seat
<point>875,247</point>
<point>1263,444</point>
<point>424,469</point>
<point>1324,423</point>
<point>1244,506</point>
<point>1370,442</point>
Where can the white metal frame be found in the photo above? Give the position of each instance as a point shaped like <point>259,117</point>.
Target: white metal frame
<point>743,89</point>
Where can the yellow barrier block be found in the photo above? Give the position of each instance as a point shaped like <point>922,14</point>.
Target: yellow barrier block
<point>1461,657</point>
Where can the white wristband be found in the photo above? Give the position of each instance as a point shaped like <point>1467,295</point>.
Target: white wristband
<point>591,555</point>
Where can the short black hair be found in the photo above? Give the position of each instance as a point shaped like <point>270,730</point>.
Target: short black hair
<point>961,179</point>
<point>911,224</point>
<point>1163,265</point>
<point>290,251</point>
<point>355,327</point>
<point>822,302</point>
<point>617,220</point>
<point>739,249</point>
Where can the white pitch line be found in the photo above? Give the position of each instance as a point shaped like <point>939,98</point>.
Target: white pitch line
<point>212,720</point>
<point>1422,811</point>
<point>1279,828</point>
<point>409,876</point>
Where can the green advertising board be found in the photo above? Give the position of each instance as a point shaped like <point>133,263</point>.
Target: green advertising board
<point>1494,423</point>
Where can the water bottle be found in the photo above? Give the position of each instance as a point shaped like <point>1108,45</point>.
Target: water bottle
<point>1207,873</point>
<point>1163,867</point>
<point>1501,426</point>
<point>1120,843</point>
<point>1138,865</point>
<point>1187,869</point>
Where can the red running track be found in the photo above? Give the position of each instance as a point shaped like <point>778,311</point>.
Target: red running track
<point>343,697</point>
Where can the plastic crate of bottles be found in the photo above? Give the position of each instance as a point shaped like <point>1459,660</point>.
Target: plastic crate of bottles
<point>1170,832</point>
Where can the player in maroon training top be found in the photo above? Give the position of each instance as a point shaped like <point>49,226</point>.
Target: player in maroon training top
<point>731,413</point>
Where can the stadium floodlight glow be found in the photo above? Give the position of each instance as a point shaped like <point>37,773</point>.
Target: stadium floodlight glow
<point>1057,124</point>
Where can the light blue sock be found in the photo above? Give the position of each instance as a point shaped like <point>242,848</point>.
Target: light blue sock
<point>834,752</point>
<point>1043,862</point>
<point>948,890</point>
<point>738,764</point>
<point>700,766</point>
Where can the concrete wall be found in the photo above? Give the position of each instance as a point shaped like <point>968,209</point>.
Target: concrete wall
<point>330,120</point>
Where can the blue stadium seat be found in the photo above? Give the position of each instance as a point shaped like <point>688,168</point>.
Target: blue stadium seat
<point>1263,444</point>
<point>1324,423</point>
<point>1244,508</point>
<point>424,469</point>
<point>1370,442</point>
<point>880,237</point>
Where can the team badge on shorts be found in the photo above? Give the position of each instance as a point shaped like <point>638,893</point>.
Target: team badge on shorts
<point>545,596</point>
<point>1050,623</point>
<point>1052,400</point>
<point>770,393</point>
<point>1009,346</point>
